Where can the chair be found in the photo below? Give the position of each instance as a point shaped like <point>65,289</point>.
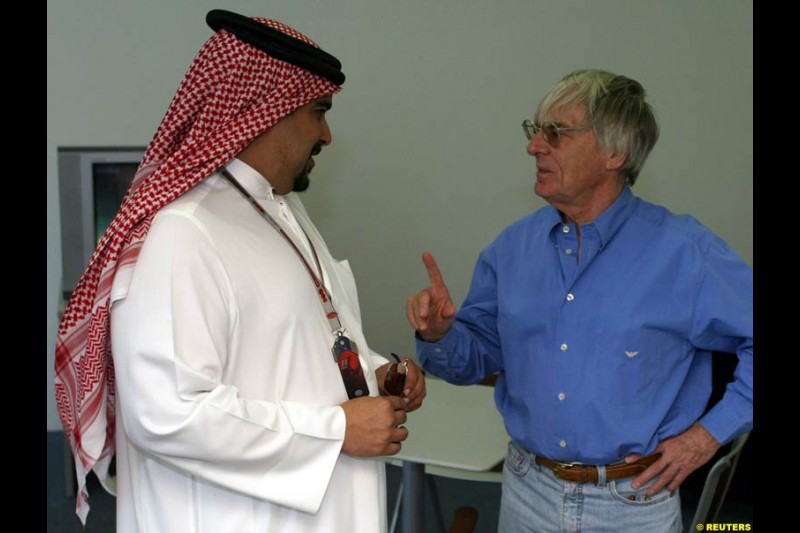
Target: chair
<point>465,518</point>
<point>721,469</point>
<point>717,483</point>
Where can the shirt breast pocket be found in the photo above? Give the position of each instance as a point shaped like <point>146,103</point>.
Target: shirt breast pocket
<point>637,365</point>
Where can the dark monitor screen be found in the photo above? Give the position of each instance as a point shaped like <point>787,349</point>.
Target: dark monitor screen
<point>110,181</point>
<point>92,182</point>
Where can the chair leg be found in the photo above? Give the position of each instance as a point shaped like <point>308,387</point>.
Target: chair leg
<point>437,505</point>
<point>396,512</point>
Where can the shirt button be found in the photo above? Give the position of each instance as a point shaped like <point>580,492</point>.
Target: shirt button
<point>570,297</point>
<point>565,229</point>
<point>561,396</point>
<point>564,347</point>
<point>568,251</point>
<point>563,444</point>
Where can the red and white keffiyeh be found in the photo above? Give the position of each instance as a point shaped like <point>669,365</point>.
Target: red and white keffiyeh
<point>231,93</point>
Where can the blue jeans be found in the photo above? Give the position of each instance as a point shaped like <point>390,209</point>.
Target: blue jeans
<point>535,500</point>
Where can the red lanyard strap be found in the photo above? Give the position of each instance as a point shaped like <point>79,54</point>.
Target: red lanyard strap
<point>344,352</point>
<point>324,295</point>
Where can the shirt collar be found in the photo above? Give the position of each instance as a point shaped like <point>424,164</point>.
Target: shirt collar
<point>609,220</point>
<point>252,180</point>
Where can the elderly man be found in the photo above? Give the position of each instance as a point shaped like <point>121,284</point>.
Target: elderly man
<point>599,312</point>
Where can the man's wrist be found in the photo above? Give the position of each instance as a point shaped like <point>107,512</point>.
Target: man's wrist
<point>429,338</point>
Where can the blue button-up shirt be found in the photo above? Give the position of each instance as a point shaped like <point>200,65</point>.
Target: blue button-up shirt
<point>610,354</point>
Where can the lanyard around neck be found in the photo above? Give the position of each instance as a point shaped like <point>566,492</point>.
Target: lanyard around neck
<point>322,292</point>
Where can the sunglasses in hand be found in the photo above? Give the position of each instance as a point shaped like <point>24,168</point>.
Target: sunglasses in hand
<point>395,380</point>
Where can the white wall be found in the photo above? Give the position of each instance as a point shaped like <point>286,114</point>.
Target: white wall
<point>428,152</point>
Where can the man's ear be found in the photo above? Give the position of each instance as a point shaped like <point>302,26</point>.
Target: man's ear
<point>615,161</point>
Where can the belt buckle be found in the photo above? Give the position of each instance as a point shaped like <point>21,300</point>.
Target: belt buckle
<point>566,466</point>
<point>576,472</point>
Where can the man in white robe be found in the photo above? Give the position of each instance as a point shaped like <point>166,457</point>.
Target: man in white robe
<point>231,413</point>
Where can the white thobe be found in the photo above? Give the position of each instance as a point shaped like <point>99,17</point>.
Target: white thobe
<point>228,396</point>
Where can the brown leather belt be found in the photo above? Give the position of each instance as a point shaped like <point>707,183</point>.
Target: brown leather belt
<point>580,473</point>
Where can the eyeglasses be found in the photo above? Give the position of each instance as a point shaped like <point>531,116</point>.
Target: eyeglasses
<point>550,130</point>
<point>395,381</point>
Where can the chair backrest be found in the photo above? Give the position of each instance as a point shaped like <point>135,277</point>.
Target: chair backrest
<point>717,483</point>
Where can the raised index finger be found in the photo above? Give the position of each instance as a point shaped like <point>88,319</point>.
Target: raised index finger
<point>433,269</point>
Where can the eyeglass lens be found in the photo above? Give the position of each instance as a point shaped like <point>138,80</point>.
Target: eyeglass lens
<point>550,131</point>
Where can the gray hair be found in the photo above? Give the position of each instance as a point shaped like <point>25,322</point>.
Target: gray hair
<point>616,110</point>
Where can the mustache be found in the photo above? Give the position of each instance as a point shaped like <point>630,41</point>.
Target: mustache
<point>317,149</point>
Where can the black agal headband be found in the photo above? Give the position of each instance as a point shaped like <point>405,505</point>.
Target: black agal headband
<point>278,44</point>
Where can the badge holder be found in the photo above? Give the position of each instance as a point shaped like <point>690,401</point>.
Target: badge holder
<point>350,367</point>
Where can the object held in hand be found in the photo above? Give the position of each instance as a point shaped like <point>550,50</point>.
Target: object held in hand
<point>395,380</point>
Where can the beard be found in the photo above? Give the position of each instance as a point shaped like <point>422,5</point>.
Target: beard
<point>303,181</point>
